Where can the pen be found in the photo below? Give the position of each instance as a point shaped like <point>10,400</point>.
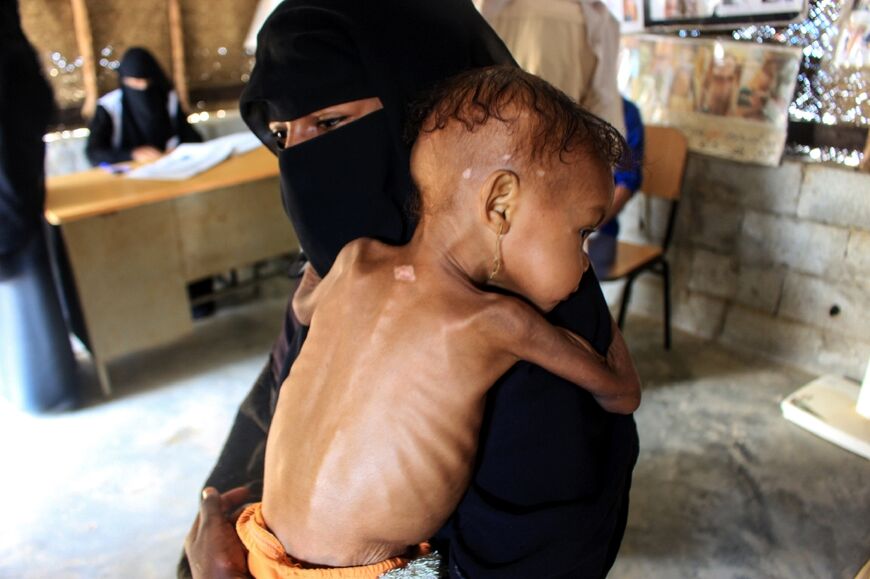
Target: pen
<point>114,169</point>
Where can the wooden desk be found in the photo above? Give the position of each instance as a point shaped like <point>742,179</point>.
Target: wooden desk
<point>134,244</point>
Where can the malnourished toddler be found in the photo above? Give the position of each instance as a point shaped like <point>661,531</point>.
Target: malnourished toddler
<point>376,428</point>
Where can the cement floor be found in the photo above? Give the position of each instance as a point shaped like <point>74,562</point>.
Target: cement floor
<point>724,487</point>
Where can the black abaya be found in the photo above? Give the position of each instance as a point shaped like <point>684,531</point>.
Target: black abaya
<point>37,367</point>
<point>26,107</point>
<point>549,494</point>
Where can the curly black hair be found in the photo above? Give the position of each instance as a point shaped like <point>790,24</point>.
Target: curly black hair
<point>557,123</point>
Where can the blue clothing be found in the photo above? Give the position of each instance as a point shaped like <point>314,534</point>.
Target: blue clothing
<point>602,245</point>
<point>631,177</point>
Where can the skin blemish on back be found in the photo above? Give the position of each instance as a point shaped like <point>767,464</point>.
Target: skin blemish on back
<point>540,172</point>
<point>467,173</point>
<point>404,273</point>
<point>506,157</point>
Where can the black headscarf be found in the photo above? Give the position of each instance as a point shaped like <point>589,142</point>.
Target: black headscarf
<point>26,106</point>
<point>355,181</point>
<point>145,118</point>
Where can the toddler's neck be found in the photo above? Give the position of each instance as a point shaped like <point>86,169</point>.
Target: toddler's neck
<point>461,250</point>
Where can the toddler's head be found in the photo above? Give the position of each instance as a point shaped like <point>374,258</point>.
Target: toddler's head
<point>512,153</point>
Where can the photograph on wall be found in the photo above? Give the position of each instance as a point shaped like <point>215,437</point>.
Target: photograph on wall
<point>721,13</point>
<point>629,13</point>
<point>853,46</point>
<point>730,98</point>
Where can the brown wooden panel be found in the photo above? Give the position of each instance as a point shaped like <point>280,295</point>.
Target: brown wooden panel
<point>120,24</point>
<point>128,272</point>
<point>49,26</point>
<point>214,36</point>
<point>96,192</point>
<point>664,163</point>
<point>227,228</point>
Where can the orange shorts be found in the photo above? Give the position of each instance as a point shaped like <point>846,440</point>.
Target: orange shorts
<point>268,560</point>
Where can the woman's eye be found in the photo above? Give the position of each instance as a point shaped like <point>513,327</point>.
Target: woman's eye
<point>280,137</point>
<point>330,123</point>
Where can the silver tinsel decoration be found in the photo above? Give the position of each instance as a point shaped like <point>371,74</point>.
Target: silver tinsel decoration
<point>427,567</point>
<point>824,93</point>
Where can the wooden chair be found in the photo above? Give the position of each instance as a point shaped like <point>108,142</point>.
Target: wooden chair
<point>663,166</point>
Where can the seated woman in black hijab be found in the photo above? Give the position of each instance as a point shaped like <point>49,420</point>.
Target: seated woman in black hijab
<point>329,96</point>
<point>142,119</point>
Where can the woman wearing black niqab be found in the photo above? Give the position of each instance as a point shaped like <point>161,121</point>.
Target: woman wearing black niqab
<point>142,118</point>
<point>37,368</point>
<point>549,494</point>
<point>312,55</point>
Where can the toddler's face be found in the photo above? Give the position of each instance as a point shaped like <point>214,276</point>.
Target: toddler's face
<point>543,252</point>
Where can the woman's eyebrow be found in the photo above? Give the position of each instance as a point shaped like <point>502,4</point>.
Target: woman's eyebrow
<point>338,109</point>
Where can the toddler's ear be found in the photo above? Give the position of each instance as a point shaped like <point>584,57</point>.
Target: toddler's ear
<point>498,199</point>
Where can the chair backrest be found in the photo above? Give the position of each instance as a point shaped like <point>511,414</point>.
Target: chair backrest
<point>664,161</point>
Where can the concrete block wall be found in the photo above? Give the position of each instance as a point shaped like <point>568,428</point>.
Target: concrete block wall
<point>772,261</point>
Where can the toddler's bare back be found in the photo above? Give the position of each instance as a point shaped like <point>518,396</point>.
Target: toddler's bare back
<point>372,442</point>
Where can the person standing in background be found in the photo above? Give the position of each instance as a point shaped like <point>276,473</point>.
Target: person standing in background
<point>572,44</point>
<point>37,366</point>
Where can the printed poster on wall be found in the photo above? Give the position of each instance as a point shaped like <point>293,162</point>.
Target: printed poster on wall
<point>853,46</point>
<point>629,13</point>
<point>730,98</point>
<point>721,13</point>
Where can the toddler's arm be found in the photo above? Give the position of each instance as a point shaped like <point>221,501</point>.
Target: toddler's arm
<point>612,380</point>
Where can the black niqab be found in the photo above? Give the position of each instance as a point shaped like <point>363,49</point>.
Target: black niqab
<point>355,182</point>
<point>145,117</point>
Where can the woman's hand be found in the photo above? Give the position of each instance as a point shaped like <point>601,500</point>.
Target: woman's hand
<point>303,300</point>
<point>213,547</point>
<point>146,154</point>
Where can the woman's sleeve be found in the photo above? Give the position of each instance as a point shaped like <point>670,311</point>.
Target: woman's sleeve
<point>99,148</point>
<point>242,459</point>
<point>549,493</point>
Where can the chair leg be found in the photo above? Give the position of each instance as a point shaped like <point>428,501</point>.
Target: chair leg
<point>666,277</point>
<point>626,296</point>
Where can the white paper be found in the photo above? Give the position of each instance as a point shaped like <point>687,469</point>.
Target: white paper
<point>190,159</point>
<point>242,142</point>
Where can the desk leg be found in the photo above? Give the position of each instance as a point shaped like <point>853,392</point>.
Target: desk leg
<point>103,377</point>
